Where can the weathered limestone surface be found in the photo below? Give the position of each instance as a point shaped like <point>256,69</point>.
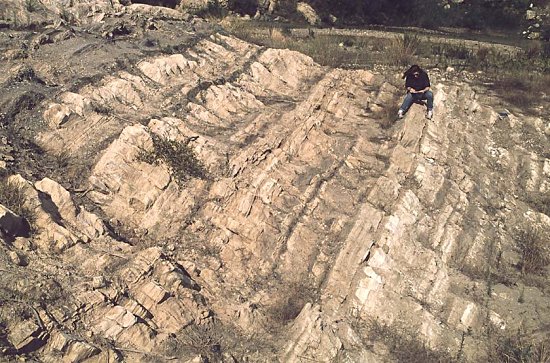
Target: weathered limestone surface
<point>313,220</point>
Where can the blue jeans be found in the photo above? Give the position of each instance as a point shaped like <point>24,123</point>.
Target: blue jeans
<point>417,97</point>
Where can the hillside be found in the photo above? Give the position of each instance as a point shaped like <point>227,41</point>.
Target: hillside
<point>188,196</point>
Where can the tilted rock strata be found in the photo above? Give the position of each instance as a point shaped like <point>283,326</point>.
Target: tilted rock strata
<point>306,197</point>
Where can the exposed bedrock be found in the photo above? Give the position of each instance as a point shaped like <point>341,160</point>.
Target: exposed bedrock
<point>311,221</point>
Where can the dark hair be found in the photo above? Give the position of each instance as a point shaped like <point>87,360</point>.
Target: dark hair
<point>414,68</point>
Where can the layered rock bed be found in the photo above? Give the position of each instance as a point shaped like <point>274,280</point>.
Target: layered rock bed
<point>318,228</point>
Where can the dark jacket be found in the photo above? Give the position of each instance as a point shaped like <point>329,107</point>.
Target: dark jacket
<point>419,83</point>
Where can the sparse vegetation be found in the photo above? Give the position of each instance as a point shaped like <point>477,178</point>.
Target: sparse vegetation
<point>535,251</point>
<point>340,50</point>
<point>32,5</point>
<point>327,50</point>
<point>67,16</point>
<point>520,349</point>
<point>500,64</point>
<point>100,108</point>
<point>522,88</point>
<point>520,77</point>
<point>402,51</point>
<point>213,341</point>
<point>293,298</point>
<point>205,339</point>
<point>61,159</point>
<point>12,196</point>
<point>177,155</point>
<point>404,344</point>
<point>539,201</point>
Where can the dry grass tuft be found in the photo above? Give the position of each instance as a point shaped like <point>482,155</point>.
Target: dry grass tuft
<point>12,196</point>
<point>519,349</point>
<point>292,299</point>
<point>534,249</point>
<point>404,344</point>
<point>402,51</point>
<point>521,88</point>
<point>539,202</point>
<point>327,50</point>
<point>178,156</point>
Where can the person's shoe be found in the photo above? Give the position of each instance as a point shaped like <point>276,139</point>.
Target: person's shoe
<point>430,114</point>
<point>400,114</point>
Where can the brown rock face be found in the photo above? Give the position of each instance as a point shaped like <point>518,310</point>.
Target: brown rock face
<point>305,227</point>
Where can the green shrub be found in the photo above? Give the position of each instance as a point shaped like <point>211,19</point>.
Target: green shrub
<point>459,51</point>
<point>536,57</point>
<point>180,158</point>
<point>387,114</point>
<point>482,57</point>
<point>431,15</point>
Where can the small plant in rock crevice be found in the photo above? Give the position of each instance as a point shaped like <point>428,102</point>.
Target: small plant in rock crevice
<point>180,158</point>
<point>293,296</point>
<point>67,16</point>
<point>32,5</point>
<point>388,113</point>
<point>206,339</point>
<point>534,250</point>
<point>12,196</point>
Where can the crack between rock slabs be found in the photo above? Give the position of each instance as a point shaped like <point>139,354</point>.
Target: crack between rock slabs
<point>326,177</point>
<point>204,85</point>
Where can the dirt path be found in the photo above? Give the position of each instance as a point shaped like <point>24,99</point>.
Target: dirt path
<point>434,37</point>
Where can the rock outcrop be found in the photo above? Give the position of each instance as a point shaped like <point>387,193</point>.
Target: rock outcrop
<point>308,13</point>
<point>538,22</point>
<point>316,220</point>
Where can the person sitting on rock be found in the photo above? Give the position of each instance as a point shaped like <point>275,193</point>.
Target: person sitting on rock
<point>417,83</point>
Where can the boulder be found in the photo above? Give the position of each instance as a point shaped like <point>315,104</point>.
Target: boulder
<point>115,321</point>
<point>73,349</point>
<point>56,115</point>
<point>308,13</point>
<point>98,282</point>
<point>77,103</point>
<point>60,197</point>
<point>26,336</point>
<point>195,6</point>
<point>150,294</point>
<point>156,11</point>
<point>90,224</point>
<point>16,258</point>
<point>12,225</point>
